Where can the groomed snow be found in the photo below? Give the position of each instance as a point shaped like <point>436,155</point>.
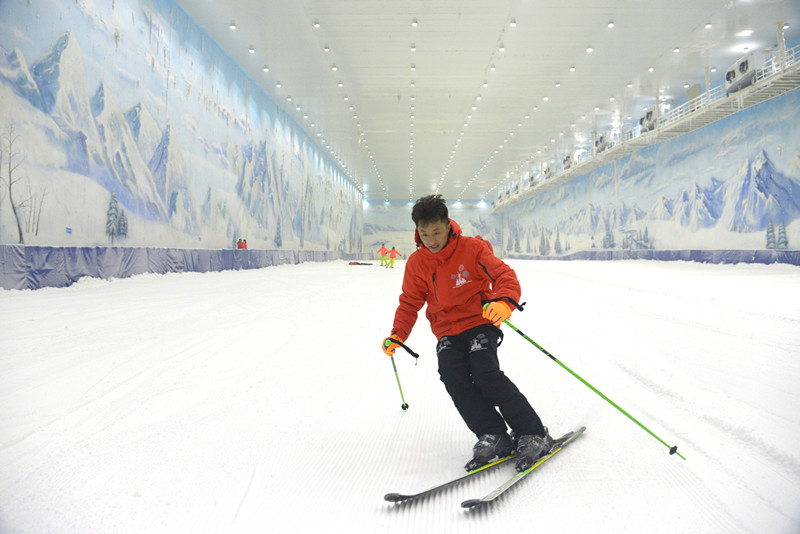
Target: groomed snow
<point>259,401</point>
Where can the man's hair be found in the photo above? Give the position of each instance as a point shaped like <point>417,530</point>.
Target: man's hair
<point>429,209</point>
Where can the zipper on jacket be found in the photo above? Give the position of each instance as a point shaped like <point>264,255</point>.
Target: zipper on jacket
<point>435,294</point>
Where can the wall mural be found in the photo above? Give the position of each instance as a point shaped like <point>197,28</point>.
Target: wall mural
<point>391,224</point>
<point>734,184</point>
<point>122,123</point>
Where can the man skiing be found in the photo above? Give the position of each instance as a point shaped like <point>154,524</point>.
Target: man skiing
<point>455,275</point>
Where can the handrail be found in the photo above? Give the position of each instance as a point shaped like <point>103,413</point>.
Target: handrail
<point>695,106</point>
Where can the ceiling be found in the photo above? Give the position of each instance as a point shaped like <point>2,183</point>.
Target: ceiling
<point>462,97</point>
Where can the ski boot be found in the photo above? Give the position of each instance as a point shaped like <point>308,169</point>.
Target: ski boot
<point>489,447</point>
<point>531,448</point>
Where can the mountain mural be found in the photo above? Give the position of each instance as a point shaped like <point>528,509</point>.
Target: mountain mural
<point>156,169</point>
<point>757,195</point>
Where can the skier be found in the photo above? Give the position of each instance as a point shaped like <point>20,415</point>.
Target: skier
<point>455,275</point>
<point>392,255</point>
<point>383,251</point>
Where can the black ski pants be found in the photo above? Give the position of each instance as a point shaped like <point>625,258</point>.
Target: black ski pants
<point>470,370</point>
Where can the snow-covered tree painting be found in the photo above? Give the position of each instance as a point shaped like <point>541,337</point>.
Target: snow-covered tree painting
<point>133,98</point>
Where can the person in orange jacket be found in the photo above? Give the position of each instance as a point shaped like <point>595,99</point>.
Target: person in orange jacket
<point>383,251</point>
<point>392,255</point>
<point>455,276</point>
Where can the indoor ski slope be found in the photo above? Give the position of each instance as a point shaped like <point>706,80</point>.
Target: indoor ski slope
<point>259,401</point>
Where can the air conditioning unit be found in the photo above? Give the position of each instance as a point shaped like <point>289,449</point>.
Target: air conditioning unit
<point>648,121</point>
<point>741,74</point>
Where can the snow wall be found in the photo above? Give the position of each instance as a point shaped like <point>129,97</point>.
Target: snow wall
<point>31,267</point>
<point>126,125</point>
<point>732,187</point>
<point>726,193</point>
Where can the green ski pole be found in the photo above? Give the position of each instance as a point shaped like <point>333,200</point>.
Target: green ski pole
<point>672,450</point>
<point>404,406</point>
<point>387,343</point>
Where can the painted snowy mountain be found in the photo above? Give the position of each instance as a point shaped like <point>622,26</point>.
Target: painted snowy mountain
<point>14,68</point>
<point>695,209</point>
<point>61,79</point>
<point>168,168</point>
<point>584,221</point>
<point>144,129</point>
<point>135,183</point>
<point>757,195</point>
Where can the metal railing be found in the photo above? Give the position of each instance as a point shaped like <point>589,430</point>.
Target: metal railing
<point>695,106</point>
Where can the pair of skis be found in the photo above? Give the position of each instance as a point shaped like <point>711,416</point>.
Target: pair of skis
<point>558,445</point>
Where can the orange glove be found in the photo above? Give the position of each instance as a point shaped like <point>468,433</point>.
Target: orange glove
<point>389,345</point>
<point>497,312</point>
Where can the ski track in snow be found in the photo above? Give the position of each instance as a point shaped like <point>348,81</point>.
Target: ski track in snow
<point>252,401</point>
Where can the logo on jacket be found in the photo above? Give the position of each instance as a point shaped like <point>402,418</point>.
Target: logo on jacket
<point>460,277</point>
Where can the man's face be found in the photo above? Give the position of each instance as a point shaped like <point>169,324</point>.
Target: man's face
<point>434,234</point>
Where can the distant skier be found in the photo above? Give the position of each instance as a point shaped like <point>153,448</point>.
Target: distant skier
<point>383,251</point>
<point>455,275</point>
<point>392,255</point>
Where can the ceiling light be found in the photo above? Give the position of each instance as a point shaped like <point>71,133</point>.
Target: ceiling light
<point>630,84</point>
<point>547,98</point>
<point>502,47</point>
<point>278,84</point>
<point>414,22</point>
<point>744,33</point>
<point>232,25</point>
<point>708,25</point>
<point>558,84</point>
<point>513,23</point>
<point>333,67</point>
<point>413,67</point>
<point>610,23</point>
<point>651,69</point>
<point>266,68</point>
<point>492,67</point>
<point>252,50</point>
<point>316,24</point>
<point>340,84</point>
<point>589,49</point>
<point>326,48</point>
<point>611,99</point>
<point>413,47</point>
<point>485,83</point>
<point>676,50</point>
<point>572,68</point>
<point>686,86</point>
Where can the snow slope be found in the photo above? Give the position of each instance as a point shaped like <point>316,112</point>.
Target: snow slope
<point>259,401</point>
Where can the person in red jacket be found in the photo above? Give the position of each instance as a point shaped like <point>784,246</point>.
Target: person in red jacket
<point>455,276</point>
<point>383,251</point>
<point>392,255</point>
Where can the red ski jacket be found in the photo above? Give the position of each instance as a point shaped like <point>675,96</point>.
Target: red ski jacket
<point>454,283</point>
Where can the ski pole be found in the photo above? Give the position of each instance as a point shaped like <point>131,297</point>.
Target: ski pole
<point>404,406</point>
<point>672,450</point>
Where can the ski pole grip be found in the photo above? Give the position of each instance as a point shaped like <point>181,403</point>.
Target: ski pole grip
<point>388,343</point>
